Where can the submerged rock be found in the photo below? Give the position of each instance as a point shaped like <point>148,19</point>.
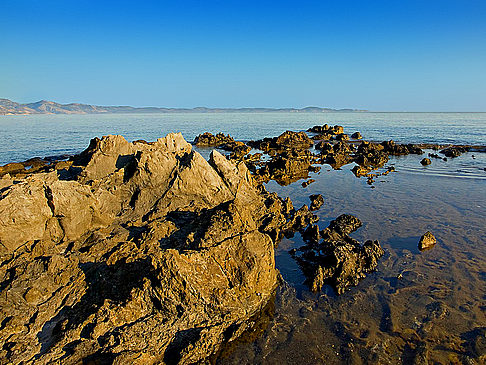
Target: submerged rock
<point>427,241</point>
<point>338,260</point>
<point>138,252</point>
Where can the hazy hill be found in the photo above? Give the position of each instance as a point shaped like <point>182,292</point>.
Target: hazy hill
<point>8,107</point>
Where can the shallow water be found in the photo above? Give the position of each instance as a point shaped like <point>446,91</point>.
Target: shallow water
<point>418,304</point>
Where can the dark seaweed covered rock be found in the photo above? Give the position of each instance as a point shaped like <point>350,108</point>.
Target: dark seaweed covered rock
<point>332,257</point>
<point>454,151</point>
<point>392,148</point>
<point>425,161</point>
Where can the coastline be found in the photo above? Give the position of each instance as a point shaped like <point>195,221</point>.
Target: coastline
<point>190,221</point>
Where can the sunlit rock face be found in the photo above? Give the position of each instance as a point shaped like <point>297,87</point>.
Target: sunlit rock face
<point>134,253</point>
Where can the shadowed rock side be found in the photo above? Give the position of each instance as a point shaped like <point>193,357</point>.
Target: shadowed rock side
<point>136,253</point>
<point>331,257</point>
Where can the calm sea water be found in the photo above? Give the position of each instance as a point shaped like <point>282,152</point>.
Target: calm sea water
<point>24,137</point>
<point>433,300</point>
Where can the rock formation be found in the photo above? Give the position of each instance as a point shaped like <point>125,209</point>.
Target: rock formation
<point>332,257</point>
<point>427,241</point>
<point>136,253</point>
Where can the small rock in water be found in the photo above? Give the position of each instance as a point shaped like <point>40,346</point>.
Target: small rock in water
<point>356,135</point>
<point>427,241</point>
<point>307,183</point>
<point>426,161</point>
<point>316,201</point>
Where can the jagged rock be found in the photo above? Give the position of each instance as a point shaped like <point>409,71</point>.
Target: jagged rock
<point>392,148</point>
<point>316,201</point>
<point>371,155</point>
<point>356,135</point>
<point>207,139</point>
<point>287,140</point>
<point>325,147</point>
<point>287,166</point>
<point>136,252</point>
<point>454,151</point>
<point>338,260</point>
<point>342,137</point>
<point>359,171</point>
<point>425,161</point>
<point>427,241</point>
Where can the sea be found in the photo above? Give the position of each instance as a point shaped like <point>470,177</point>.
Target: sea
<point>417,305</point>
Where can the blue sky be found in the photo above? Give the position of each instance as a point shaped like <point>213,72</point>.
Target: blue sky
<point>379,55</point>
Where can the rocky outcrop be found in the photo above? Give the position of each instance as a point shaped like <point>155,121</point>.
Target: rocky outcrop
<point>332,257</point>
<point>427,241</point>
<point>287,140</point>
<point>425,161</point>
<point>454,151</point>
<point>225,142</point>
<point>392,148</point>
<point>207,139</point>
<point>326,129</point>
<point>316,201</point>
<point>136,253</point>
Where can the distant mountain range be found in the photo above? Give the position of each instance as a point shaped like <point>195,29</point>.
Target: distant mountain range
<point>8,107</point>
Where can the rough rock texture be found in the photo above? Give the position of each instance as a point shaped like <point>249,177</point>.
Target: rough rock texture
<point>454,151</point>
<point>332,257</point>
<point>225,142</point>
<point>316,201</point>
<point>207,139</point>
<point>356,135</point>
<point>427,241</point>
<point>425,161</point>
<point>327,130</point>
<point>287,140</point>
<point>138,253</point>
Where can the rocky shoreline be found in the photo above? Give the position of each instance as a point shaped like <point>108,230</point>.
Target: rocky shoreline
<point>145,252</point>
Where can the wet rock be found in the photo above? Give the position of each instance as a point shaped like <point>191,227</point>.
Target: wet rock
<point>325,147</point>
<point>427,241</point>
<point>207,139</point>
<point>371,155</point>
<point>356,135</point>
<point>141,252</point>
<point>287,166</point>
<point>316,201</point>
<point>11,168</point>
<point>392,148</point>
<point>454,151</point>
<point>359,171</point>
<point>338,260</point>
<point>425,161</point>
<point>342,137</point>
<point>307,183</point>
<point>322,137</point>
<point>287,140</point>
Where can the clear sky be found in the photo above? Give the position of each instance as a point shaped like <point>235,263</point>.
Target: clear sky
<point>408,55</point>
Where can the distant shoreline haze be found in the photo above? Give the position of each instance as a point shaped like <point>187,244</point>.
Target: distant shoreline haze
<point>9,107</point>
